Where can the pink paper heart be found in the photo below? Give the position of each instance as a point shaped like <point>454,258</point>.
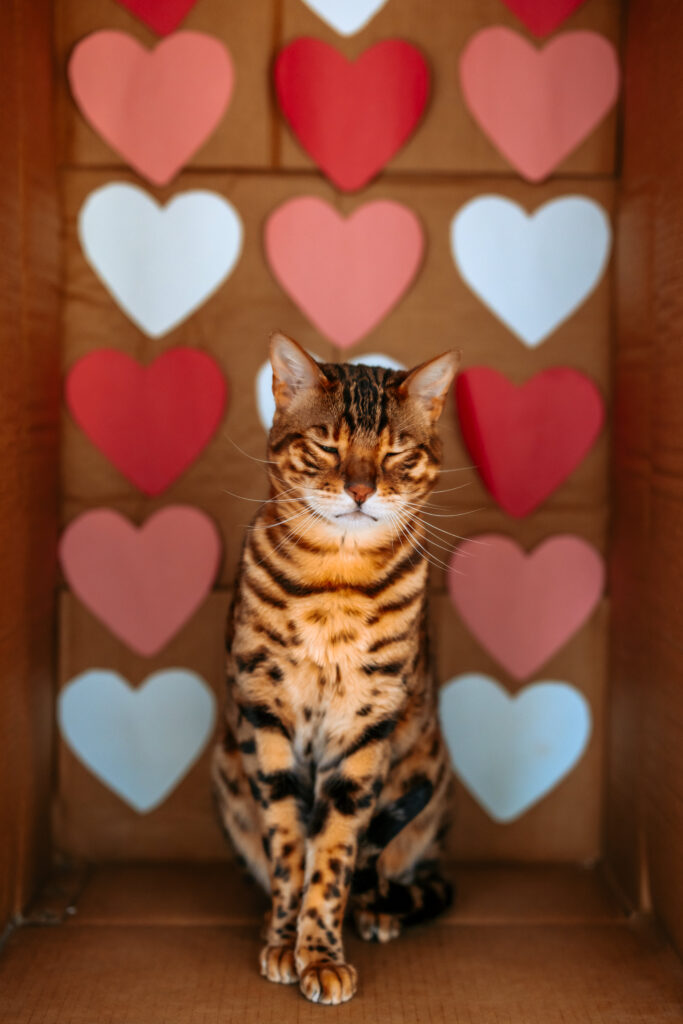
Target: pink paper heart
<point>143,583</point>
<point>344,273</point>
<point>154,107</point>
<point>536,106</point>
<point>521,607</point>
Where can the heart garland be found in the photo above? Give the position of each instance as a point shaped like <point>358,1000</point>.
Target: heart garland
<point>154,107</point>
<point>139,742</point>
<point>537,106</point>
<point>525,441</point>
<point>162,16</point>
<point>543,16</point>
<point>533,271</point>
<point>143,583</point>
<point>344,273</point>
<point>159,263</point>
<point>510,751</point>
<point>523,607</point>
<point>150,421</point>
<point>351,117</point>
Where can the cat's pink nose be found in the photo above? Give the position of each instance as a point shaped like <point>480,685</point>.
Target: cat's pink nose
<point>360,492</point>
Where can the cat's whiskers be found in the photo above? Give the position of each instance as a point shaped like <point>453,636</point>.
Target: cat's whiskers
<point>418,547</point>
<point>267,462</point>
<point>446,490</point>
<point>440,515</point>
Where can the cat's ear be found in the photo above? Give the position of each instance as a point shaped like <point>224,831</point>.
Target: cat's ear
<point>293,370</point>
<point>428,383</point>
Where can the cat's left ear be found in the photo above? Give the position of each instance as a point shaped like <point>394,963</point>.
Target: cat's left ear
<point>429,383</point>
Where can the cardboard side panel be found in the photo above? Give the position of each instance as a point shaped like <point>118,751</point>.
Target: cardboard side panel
<point>646,778</point>
<point>28,446</point>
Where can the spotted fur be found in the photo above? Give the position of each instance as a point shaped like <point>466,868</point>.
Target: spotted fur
<point>333,778</point>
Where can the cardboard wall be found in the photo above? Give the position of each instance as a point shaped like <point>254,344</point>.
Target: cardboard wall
<point>645,772</point>
<point>29,416</point>
<point>255,162</point>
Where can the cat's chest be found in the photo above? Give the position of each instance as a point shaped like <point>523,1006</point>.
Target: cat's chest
<point>333,631</point>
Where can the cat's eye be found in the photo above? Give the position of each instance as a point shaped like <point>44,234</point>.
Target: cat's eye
<point>327,448</point>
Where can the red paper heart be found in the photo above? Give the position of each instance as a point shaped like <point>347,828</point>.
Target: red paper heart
<point>542,16</point>
<point>351,116</point>
<point>150,421</point>
<point>525,441</point>
<point>162,16</point>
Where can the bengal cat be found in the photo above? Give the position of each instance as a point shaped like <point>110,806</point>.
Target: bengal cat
<point>333,778</point>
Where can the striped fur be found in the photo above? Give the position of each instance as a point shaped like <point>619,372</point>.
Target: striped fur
<point>333,779</point>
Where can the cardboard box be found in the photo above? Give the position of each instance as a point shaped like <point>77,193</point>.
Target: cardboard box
<point>152,907</point>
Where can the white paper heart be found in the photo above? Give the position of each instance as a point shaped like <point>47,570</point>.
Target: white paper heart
<point>346,16</point>
<point>160,263</point>
<point>138,742</point>
<point>265,403</point>
<point>532,271</point>
<point>509,751</point>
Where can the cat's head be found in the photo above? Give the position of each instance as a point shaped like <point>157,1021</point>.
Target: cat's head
<point>359,443</point>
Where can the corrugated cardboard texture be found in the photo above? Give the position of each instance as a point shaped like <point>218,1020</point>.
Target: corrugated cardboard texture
<point>447,163</point>
<point>181,947</point>
<point>29,415</point>
<point>645,823</point>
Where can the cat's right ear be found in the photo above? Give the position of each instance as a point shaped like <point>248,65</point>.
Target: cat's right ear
<point>293,370</point>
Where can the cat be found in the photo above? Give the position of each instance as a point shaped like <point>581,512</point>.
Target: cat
<point>332,778</point>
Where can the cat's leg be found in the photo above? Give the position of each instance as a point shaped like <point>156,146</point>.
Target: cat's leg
<point>397,879</point>
<point>345,796</point>
<point>237,810</point>
<point>283,797</point>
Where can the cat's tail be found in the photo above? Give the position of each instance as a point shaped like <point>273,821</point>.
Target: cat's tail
<point>420,894</point>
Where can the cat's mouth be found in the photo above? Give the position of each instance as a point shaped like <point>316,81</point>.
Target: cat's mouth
<point>355,515</point>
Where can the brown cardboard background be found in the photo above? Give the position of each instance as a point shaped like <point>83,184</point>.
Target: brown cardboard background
<point>440,170</point>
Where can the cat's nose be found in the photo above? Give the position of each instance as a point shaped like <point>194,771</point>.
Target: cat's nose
<point>359,491</point>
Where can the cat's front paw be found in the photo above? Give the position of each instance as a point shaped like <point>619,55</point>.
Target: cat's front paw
<point>277,964</point>
<point>328,983</point>
<point>374,927</point>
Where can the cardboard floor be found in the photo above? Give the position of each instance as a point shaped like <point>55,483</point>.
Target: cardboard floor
<point>178,945</point>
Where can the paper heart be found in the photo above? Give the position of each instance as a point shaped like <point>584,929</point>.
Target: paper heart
<point>509,751</point>
<point>144,582</point>
<point>521,607</point>
<point>525,441</point>
<point>537,106</point>
<point>351,117</point>
<point>543,16</point>
<point>139,742</point>
<point>154,107</point>
<point>162,16</point>
<point>346,16</point>
<point>265,403</point>
<point>533,271</point>
<point>150,421</point>
<point>344,273</point>
<point>160,264</point>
